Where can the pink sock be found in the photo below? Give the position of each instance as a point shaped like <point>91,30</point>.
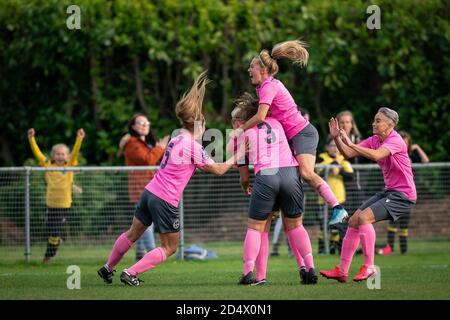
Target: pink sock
<point>324,190</point>
<point>149,261</point>
<point>349,245</point>
<point>121,246</point>
<point>298,256</point>
<point>367,236</point>
<point>300,239</point>
<point>263,256</point>
<point>252,244</point>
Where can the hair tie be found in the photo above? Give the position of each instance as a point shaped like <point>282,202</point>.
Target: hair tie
<point>262,62</point>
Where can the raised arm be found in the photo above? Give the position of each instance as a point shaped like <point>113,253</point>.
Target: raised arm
<point>34,147</point>
<point>346,151</point>
<point>368,153</point>
<point>76,148</point>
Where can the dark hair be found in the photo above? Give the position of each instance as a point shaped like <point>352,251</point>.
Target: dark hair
<point>246,106</point>
<point>406,135</point>
<point>150,139</point>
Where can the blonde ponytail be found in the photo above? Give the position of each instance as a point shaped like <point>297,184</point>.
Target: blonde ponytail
<point>189,108</point>
<point>293,50</point>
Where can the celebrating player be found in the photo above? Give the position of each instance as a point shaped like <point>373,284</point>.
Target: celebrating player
<point>160,199</point>
<point>276,99</point>
<point>388,149</point>
<point>276,184</point>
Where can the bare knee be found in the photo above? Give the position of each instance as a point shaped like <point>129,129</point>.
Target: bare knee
<point>364,219</point>
<point>354,221</point>
<point>292,223</point>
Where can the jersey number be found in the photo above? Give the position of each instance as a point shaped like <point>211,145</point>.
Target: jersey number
<point>272,138</point>
<point>166,155</point>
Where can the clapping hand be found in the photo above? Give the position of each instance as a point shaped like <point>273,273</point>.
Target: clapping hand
<point>333,124</point>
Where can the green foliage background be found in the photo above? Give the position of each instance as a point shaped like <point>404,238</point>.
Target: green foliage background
<point>140,56</point>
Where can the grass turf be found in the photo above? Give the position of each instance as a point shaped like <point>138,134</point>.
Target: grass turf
<point>423,273</point>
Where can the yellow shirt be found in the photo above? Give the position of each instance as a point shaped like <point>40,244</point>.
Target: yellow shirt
<point>59,183</point>
<point>336,182</point>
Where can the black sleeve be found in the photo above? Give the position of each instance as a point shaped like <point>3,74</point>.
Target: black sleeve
<point>348,176</point>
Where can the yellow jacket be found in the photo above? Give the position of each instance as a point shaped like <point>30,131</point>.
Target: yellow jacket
<point>59,183</point>
<point>336,182</point>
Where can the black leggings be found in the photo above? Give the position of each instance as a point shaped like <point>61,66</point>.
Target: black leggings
<point>56,217</point>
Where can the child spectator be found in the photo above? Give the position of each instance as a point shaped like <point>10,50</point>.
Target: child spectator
<point>59,187</point>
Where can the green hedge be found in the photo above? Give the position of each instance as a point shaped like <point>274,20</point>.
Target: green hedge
<point>142,55</point>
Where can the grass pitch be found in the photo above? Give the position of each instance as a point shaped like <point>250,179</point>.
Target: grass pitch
<point>423,273</point>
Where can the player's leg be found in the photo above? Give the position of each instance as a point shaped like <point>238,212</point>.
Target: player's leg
<point>252,245</point>
<point>263,255</point>
<point>298,257</point>
<point>367,236</point>
<point>145,243</point>
<point>141,220</point>
<point>291,202</point>
<point>393,205</point>
<point>167,218</point>
<point>169,244</point>
<point>262,204</point>
<point>304,145</point>
<point>350,242</point>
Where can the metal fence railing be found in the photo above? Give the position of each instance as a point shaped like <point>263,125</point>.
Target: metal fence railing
<point>213,208</point>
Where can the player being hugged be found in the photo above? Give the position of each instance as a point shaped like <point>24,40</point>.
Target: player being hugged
<point>277,185</point>
<point>388,149</point>
<point>159,201</point>
<point>275,99</point>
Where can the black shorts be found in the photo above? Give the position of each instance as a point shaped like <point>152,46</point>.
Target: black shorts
<point>305,142</point>
<point>389,205</point>
<point>151,209</point>
<point>280,189</point>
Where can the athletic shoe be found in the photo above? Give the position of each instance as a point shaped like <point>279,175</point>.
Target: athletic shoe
<point>105,274</point>
<point>386,250</point>
<point>338,215</point>
<point>259,282</point>
<point>246,279</point>
<point>129,279</point>
<point>335,274</point>
<point>302,273</point>
<point>311,277</point>
<point>364,273</point>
